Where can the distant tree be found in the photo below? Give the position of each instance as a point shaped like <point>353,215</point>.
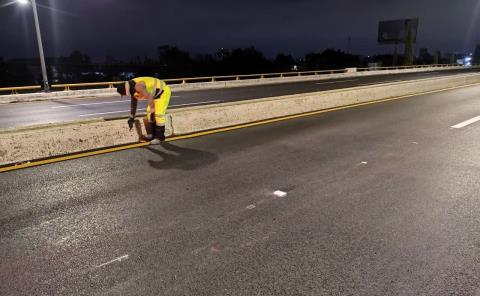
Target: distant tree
<point>70,68</point>
<point>453,58</point>
<point>17,73</point>
<point>436,57</point>
<point>109,60</point>
<point>112,68</point>
<point>175,62</point>
<point>385,60</point>
<point>331,59</point>
<point>3,72</point>
<point>283,63</point>
<point>77,58</point>
<point>424,58</point>
<point>476,55</point>
<point>245,61</point>
<point>312,61</point>
<point>205,65</point>
<point>222,53</point>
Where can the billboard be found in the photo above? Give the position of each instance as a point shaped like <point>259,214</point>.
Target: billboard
<point>391,32</point>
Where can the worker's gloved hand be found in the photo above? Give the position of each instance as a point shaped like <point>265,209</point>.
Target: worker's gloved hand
<point>131,121</point>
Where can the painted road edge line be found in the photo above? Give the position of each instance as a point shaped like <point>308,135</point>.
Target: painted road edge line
<point>72,156</point>
<point>88,104</point>
<point>196,103</point>
<point>100,151</point>
<point>143,109</point>
<point>110,112</point>
<point>466,122</point>
<point>336,81</point>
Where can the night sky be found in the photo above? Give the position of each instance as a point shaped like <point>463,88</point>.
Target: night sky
<point>127,28</point>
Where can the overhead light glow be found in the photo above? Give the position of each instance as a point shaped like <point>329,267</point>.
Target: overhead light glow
<point>23,2</point>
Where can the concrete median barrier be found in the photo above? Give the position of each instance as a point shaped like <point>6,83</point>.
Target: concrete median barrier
<point>23,144</point>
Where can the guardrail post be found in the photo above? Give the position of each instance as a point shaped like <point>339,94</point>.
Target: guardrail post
<point>213,79</point>
<point>281,74</point>
<point>262,76</point>
<point>110,85</point>
<point>237,78</point>
<point>184,81</point>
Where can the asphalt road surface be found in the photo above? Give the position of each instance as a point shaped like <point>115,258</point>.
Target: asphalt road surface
<point>381,200</point>
<point>25,114</point>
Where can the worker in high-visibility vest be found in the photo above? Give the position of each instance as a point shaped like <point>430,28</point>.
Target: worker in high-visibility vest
<point>157,93</point>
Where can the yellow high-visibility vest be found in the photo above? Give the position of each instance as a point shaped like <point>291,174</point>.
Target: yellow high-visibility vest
<point>151,83</point>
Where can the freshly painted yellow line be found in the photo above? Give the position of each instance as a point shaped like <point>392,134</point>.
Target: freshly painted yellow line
<point>215,131</point>
<point>70,157</point>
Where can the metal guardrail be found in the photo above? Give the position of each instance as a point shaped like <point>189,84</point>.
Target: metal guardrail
<point>69,86</point>
<point>408,67</point>
<point>15,90</point>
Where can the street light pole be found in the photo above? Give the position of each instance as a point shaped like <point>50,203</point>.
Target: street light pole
<point>46,86</point>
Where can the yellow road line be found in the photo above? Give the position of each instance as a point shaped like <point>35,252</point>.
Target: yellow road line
<point>70,157</point>
<point>215,131</point>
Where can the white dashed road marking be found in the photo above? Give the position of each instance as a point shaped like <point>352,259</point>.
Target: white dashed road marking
<point>111,112</point>
<point>382,82</point>
<point>119,259</point>
<point>279,193</point>
<point>339,81</point>
<point>467,122</point>
<point>196,103</point>
<point>125,111</point>
<point>88,104</point>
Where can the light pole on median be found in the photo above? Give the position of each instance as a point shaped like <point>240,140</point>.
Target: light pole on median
<point>46,86</point>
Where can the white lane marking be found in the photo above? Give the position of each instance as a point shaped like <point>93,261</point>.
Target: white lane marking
<point>88,104</point>
<point>429,73</point>
<point>339,81</point>
<point>415,143</point>
<point>197,103</point>
<point>111,112</point>
<point>364,162</point>
<point>102,103</point>
<point>279,193</point>
<point>381,82</point>
<point>123,111</point>
<point>119,259</point>
<point>251,207</point>
<point>467,122</point>
<point>63,239</point>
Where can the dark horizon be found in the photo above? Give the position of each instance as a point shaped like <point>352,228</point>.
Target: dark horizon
<point>124,29</point>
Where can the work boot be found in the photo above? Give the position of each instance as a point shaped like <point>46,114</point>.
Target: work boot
<point>153,130</point>
<point>160,133</point>
<point>155,141</point>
